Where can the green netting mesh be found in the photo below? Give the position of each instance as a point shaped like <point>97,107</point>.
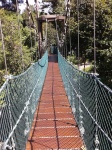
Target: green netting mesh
<point>91,103</point>
<point>90,100</point>
<point>19,97</point>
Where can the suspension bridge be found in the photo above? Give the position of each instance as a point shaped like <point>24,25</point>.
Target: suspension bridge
<point>53,105</point>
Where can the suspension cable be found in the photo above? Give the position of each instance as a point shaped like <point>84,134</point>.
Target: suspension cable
<point>3,48</point>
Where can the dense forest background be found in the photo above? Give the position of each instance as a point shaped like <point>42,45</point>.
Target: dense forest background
<point>20,38</point>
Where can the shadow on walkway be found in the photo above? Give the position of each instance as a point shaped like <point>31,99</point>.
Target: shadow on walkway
<point>53,58</point>
<point>54,126</point>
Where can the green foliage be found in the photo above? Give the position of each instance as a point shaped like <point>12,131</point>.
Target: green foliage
<point>19,42</point>
<point>89,69</point>
<point>103,9</point>
<point>51,35</point>
<point>72,59</point>
<point>60,7</point>
<point>16,54</point>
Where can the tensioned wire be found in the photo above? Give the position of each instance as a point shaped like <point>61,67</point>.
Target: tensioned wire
<point>20,96</point>
<point>95,116</point>
<point>3,47</point>
<point>20,38</point>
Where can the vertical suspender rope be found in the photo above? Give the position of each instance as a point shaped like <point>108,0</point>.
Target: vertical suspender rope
<point>35,44</point>
<point>46,35</point>
<point>96,132</point>
<point>65,30</point>
<point>37,13</point>
<point>36,3</point>
<point>13,143</point>
<point>65,39</point>
<point>31,42</point>
<point>70,38</point>
<point>68,14</point>
<point>3,48</point>
<point>30,35</point>
<point>78,33</point>
<point>64,48</point>
<point>30,17</point>
<point>57,33</point>
<point>64,42</point>
<point>69,30</point>
<point>67,9</point>
<point>10,116</point>
<point>21,53</point>
<point>96,100</point>
<point>82,130</point>
<point>94,23</point>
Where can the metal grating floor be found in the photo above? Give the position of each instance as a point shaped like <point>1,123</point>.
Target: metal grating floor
<point>54,126</point>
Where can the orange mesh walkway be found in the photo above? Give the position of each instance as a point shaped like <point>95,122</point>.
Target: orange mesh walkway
<point>54,126</point>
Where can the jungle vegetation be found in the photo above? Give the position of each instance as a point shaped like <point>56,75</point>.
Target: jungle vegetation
<point>21,42</point>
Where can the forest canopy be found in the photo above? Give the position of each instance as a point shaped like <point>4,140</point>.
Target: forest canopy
<point>21,42</point>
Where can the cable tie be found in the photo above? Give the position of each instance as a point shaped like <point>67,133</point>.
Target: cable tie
<point>96,148</point>
<point>32,63</point>
<point>27,103</point>
<point>79,96</point>
<point>96,140</point>
<point>82,130</point>
<point>81,122</point>
<point>81,117</point>
<point>4,146</point>
<point>8,77</point>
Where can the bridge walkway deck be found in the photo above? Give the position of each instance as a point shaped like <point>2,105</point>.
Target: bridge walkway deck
<point>54,126</point>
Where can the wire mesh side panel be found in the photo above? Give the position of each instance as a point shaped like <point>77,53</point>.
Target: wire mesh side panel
<point>19,98</point>
<point>91,104</point>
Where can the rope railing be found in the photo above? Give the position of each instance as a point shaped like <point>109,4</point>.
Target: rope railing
<point>91,103</point>
<point>19,97</point>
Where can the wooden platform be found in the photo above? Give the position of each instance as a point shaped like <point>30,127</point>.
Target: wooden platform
<point>54,126</point>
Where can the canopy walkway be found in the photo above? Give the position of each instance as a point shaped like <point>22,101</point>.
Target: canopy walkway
<point>54,126</point>
<point>37,114</point>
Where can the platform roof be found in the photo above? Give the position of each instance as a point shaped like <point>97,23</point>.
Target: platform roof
<point>51,18</point>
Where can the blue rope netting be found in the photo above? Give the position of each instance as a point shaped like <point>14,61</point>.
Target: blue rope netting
<point>19,97</point>
<point>91,103</point>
